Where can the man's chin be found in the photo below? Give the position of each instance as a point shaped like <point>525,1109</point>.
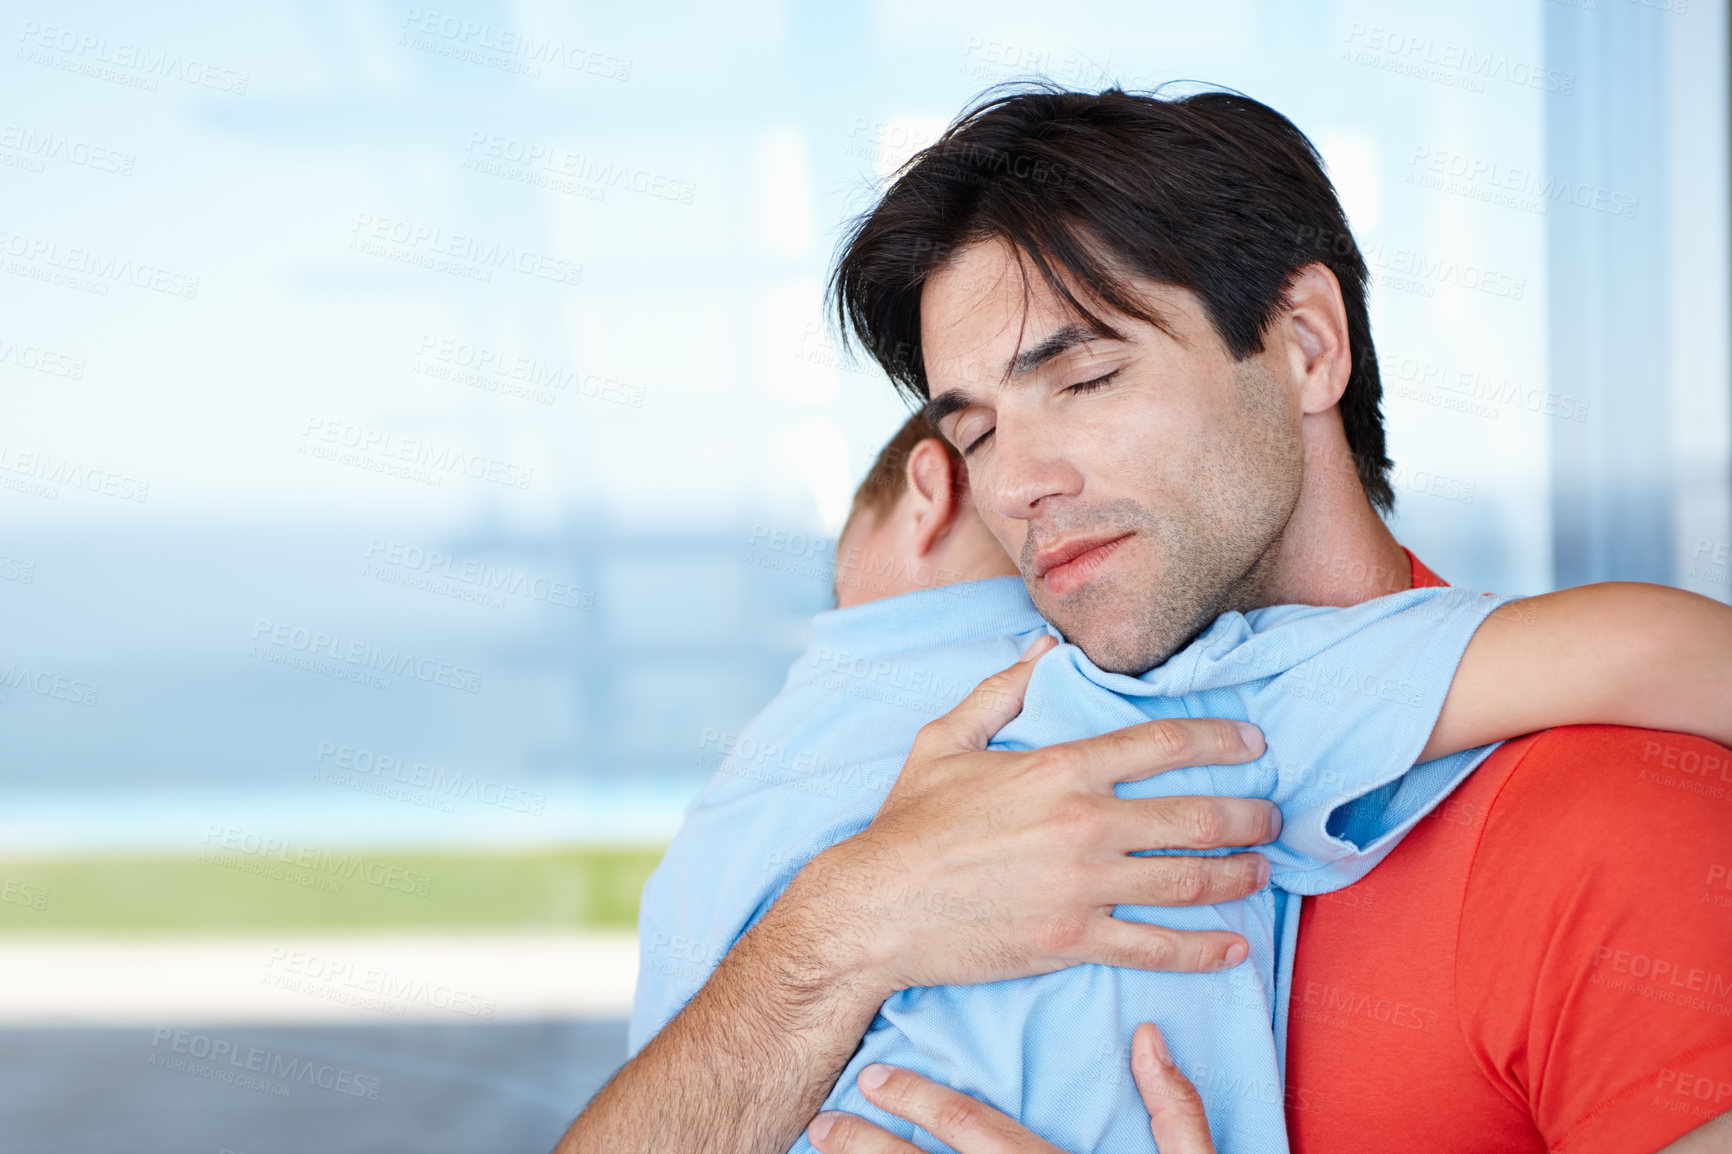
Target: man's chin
<point>1106,644</point>
<point>1120,659</point>
<point>1120,636</point>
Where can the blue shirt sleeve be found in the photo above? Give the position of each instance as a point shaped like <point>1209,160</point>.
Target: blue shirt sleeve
<point>1347,721</point>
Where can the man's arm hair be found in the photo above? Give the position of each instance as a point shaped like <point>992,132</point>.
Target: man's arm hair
<point>1014,840</point>
<point>748,1062</point>
<point>1712,1137</point>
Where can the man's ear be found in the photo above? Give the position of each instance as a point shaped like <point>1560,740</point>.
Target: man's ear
<point>1313,328</point>
<point>936,491</point>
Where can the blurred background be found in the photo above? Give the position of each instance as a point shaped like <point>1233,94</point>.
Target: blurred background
<point>421,443</point>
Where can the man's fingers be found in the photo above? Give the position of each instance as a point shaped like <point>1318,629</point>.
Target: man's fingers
<point>1176,1117</point>
<point>1040,647</point>
<point>1192,822</point>
<point>977,718</point>
<point>1183,880</point>
<point>1154,747</point>
<point>1136,946</point>
<point>948,1115</point>
<point>837,1133</point>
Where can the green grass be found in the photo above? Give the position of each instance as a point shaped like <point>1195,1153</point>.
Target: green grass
<point>550,890</point>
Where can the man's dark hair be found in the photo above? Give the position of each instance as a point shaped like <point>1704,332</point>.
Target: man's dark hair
<point>1212,192</point>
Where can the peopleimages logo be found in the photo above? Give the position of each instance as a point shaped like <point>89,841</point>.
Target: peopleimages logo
<point>221,1060</point>
<point>21,893</point>
<point>86,53</point>
<point>470,255</point>
<point>236,847</point>
<point>508,49</point>
<point>345,980</point>
<point>485,579</point>
<point>344,442</point>
<point>45,683</point>
<point>379,771</point>
<point>499,154</point>
<point>1526,187</point>
<point>91,269</point>
<point>40,360</point>
<point>517,375</point>
<point>43,146</point>
<point>1453,64</point>
<point>363,656</point>
<point>54,472</point>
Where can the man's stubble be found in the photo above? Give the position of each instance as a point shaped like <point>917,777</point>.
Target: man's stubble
<point>1211,548</point>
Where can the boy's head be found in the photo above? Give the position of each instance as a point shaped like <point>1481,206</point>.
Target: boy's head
<point>913,524</point>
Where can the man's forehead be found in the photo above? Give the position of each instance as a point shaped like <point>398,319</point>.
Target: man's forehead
<point>983,303</point>
<point>987,320</point>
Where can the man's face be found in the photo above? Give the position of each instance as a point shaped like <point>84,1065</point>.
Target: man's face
<point>1140,483</point>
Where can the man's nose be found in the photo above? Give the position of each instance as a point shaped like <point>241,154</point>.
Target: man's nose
<point>1028,468</point>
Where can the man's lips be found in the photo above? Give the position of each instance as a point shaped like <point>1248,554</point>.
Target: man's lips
<point>1065,566</point>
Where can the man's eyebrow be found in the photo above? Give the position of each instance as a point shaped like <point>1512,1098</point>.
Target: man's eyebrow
<point>945,403</point>
<point>1059,342</point>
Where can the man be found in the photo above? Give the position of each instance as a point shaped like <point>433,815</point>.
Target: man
<point>1143,322</point>
<point>924,615</point>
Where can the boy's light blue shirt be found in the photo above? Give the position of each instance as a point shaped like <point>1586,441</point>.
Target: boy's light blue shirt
<point>1347,699</point>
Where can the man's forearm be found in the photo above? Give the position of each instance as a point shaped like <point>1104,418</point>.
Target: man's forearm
<point>980,866</point>
<point>749,1060</point>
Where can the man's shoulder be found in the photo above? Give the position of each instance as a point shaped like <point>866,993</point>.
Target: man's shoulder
<point>1613,745</point>
<point>1573,789</point>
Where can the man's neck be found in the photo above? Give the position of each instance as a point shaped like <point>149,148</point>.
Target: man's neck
<point>1335,550</point>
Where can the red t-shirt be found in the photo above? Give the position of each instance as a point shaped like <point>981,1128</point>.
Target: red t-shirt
<point>1543,964</point>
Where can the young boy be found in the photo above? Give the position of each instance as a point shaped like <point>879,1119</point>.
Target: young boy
<point>1347,710</point>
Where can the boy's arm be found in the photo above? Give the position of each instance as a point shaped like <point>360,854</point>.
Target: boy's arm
<point>1620,653</point>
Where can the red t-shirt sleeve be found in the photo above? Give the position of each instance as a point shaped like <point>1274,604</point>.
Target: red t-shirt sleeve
<point>1594,957</point>
<point>1544,963</point>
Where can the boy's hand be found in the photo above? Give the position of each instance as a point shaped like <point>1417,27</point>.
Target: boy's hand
<point>1175,1112</point>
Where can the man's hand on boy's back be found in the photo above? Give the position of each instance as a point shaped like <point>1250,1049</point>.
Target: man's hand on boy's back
<point>1176,1117</point>
<point>989,864</point>
<point>981,865</point>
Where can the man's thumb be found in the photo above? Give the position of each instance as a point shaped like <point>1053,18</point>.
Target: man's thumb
<point>978,717</point>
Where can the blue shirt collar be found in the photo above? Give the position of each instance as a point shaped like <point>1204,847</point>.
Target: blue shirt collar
<point>968,611</point>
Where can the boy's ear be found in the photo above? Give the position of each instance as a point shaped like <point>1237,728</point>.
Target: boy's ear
<point>936,491</point>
